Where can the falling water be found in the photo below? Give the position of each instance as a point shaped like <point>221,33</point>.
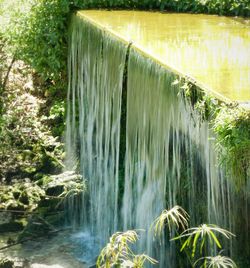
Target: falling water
<point>97,64</point>
<point>169,156</point>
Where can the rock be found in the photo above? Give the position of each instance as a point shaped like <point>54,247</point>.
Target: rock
<point>50,204</point>
<point>36,227</point>
<point>14,263</point>
<point>16,193</point>
<point>55,190</point>
<point>60,185</point>
<point>13,226</point>
<point>15,205</point>
<point>44,181</point>
<point>24,198</point>
<point>5,217</point>
<point>21,263</point>
<point>6,263</point>
<point>22,195</point>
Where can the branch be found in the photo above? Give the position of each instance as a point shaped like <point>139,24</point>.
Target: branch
<point>8,73</point>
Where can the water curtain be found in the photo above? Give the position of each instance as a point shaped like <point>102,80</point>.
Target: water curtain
<point>93,121</point>
<point>138,142</point>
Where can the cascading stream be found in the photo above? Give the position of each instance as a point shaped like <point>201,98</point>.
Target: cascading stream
<point>170,156</point>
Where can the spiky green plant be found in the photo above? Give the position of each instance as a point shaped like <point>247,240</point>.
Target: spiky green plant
<point>174,218</point>
<point>215,262</point>
<point>138,261</point>
<point>201,235</point>
<point>117,252</point>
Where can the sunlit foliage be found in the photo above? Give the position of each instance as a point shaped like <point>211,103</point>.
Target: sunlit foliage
<point>174,218</point>
<point>197,238</point>
<point>117,253</point>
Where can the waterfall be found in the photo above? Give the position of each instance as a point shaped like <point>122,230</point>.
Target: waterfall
<point>97,64</point>
<point>170,158</point>
<point>118,95</point>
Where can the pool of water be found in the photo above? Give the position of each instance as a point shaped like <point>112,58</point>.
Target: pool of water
<point>66,249</point>
<point>214,51</point>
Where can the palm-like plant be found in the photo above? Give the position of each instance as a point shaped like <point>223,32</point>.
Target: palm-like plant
<point>138,261</point>
<point>117,252</point>
<point>174,218</point>
<point>215,262</point>
<point>200,235</point>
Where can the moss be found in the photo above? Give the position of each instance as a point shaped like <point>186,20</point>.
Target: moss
<point>44,180</point>
<point>29,170</point>
<point>20,196</point>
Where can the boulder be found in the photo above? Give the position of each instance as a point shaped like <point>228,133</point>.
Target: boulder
<point>6,263</point>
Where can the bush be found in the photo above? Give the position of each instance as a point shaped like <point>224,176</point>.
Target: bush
<point>37,36</point>
<point>233,142</point>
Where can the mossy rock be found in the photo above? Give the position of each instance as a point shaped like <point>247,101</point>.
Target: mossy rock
<point>51,204</point>
<point>15,205</point>
<point>62,184</point>
<point>5,197</point>
<point>38,176</point>
<point>44,180</point>
<point>29,170</point>
<point>21,196</point>
<point>36,227</point>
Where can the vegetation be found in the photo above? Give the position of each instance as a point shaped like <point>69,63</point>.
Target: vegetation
<point>230,123</point>
<point>231,126</point>
<point>216,262</point>
<point>176,217</point>
<point>31,109</point>
<point>35,31</point>
<point>117,252</point>
<point>42,43</point>
<point>201,235</point>
<point>27,144</point>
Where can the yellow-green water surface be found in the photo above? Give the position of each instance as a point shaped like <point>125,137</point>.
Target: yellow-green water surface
<point>214,51</point>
